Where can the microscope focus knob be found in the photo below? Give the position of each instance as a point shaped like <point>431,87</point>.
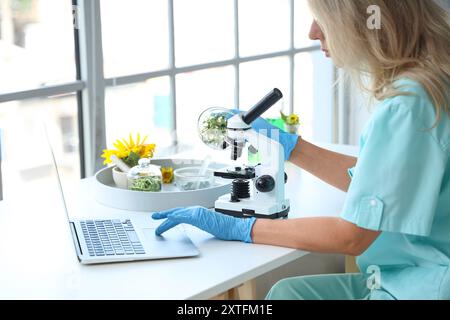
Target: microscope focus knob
<point>265,184</point>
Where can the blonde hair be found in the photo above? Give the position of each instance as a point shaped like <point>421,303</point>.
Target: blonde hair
<point>413,42</point>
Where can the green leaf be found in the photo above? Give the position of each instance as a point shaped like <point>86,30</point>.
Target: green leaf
<point>132,160</point>
<point>283,116</point>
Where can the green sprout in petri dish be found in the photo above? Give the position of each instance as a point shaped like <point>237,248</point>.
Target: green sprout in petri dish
<point>147,184</point>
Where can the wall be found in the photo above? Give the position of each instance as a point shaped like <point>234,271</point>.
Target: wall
<point>359,114</point>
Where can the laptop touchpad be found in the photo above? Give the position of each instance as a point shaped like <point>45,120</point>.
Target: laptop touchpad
<point>151,236</point>
<point>173,241</point>
<point>172,234</point>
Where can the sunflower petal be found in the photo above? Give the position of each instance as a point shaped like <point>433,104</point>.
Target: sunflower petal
<point>138,139</point>
<point>126,143</point>
<point>131,141</point>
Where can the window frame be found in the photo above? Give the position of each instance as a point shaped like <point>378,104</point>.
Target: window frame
<point>72,87</point>
<point>172,71</point>
<point>90,83</point>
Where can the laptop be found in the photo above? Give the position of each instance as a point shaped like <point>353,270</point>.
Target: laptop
<point>119,240</point>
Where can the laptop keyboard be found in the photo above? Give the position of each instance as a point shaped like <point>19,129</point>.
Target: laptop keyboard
<point>111,238</point>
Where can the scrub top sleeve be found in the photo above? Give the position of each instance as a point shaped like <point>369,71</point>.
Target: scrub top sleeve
<point>397,179</point>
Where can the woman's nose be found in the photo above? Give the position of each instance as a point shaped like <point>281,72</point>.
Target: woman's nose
<point>315,33</point>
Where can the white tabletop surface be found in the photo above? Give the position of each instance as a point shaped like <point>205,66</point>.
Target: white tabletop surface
<point>38,259</point>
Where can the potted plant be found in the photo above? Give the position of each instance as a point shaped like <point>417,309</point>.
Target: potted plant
<point>291,122</point>
<point>128,153</point>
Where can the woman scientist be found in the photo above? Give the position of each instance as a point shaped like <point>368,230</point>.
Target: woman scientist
<point>397,210</point>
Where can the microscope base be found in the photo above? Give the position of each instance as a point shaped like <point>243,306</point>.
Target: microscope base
<point>251,213</point>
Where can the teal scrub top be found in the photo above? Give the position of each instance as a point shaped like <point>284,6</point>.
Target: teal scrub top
<point>401,186</point>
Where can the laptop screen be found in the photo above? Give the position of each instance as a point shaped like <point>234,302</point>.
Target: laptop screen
<point>55,167</point>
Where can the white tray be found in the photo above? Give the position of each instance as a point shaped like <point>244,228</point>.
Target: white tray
<point>108,194</point>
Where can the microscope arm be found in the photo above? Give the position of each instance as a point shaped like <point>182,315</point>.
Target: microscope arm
<point>272,155</point>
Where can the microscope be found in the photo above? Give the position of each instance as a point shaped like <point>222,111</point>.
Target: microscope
<point>257,191</point>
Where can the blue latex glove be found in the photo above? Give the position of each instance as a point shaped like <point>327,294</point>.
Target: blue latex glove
<point>287,140</point>
<point>219,225</point>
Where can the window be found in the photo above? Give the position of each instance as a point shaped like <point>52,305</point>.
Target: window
<point>197,91</point>
<point>135,36</point>
<point>27,165</point>
<point>313,96</point>
<point>146,66</point>
<point>203,31</point>
<point>258,77</point>
<point>143,107</point>
<point>264,26</point>
<point>223,53</point>
<point>38,85</point>
<point>36,44</point>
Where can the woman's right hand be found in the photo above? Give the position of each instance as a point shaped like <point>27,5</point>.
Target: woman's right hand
<point>287,140</point>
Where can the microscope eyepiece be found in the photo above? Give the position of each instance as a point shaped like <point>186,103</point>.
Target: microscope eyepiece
<point>265,104</point>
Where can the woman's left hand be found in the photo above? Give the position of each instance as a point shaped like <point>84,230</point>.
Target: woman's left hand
<point>219,225</point>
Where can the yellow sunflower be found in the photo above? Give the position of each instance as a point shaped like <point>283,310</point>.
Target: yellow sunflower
<point>293,119</point>
<point>130,151</point>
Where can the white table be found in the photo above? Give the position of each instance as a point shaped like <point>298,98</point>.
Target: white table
<point>38,261</point>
